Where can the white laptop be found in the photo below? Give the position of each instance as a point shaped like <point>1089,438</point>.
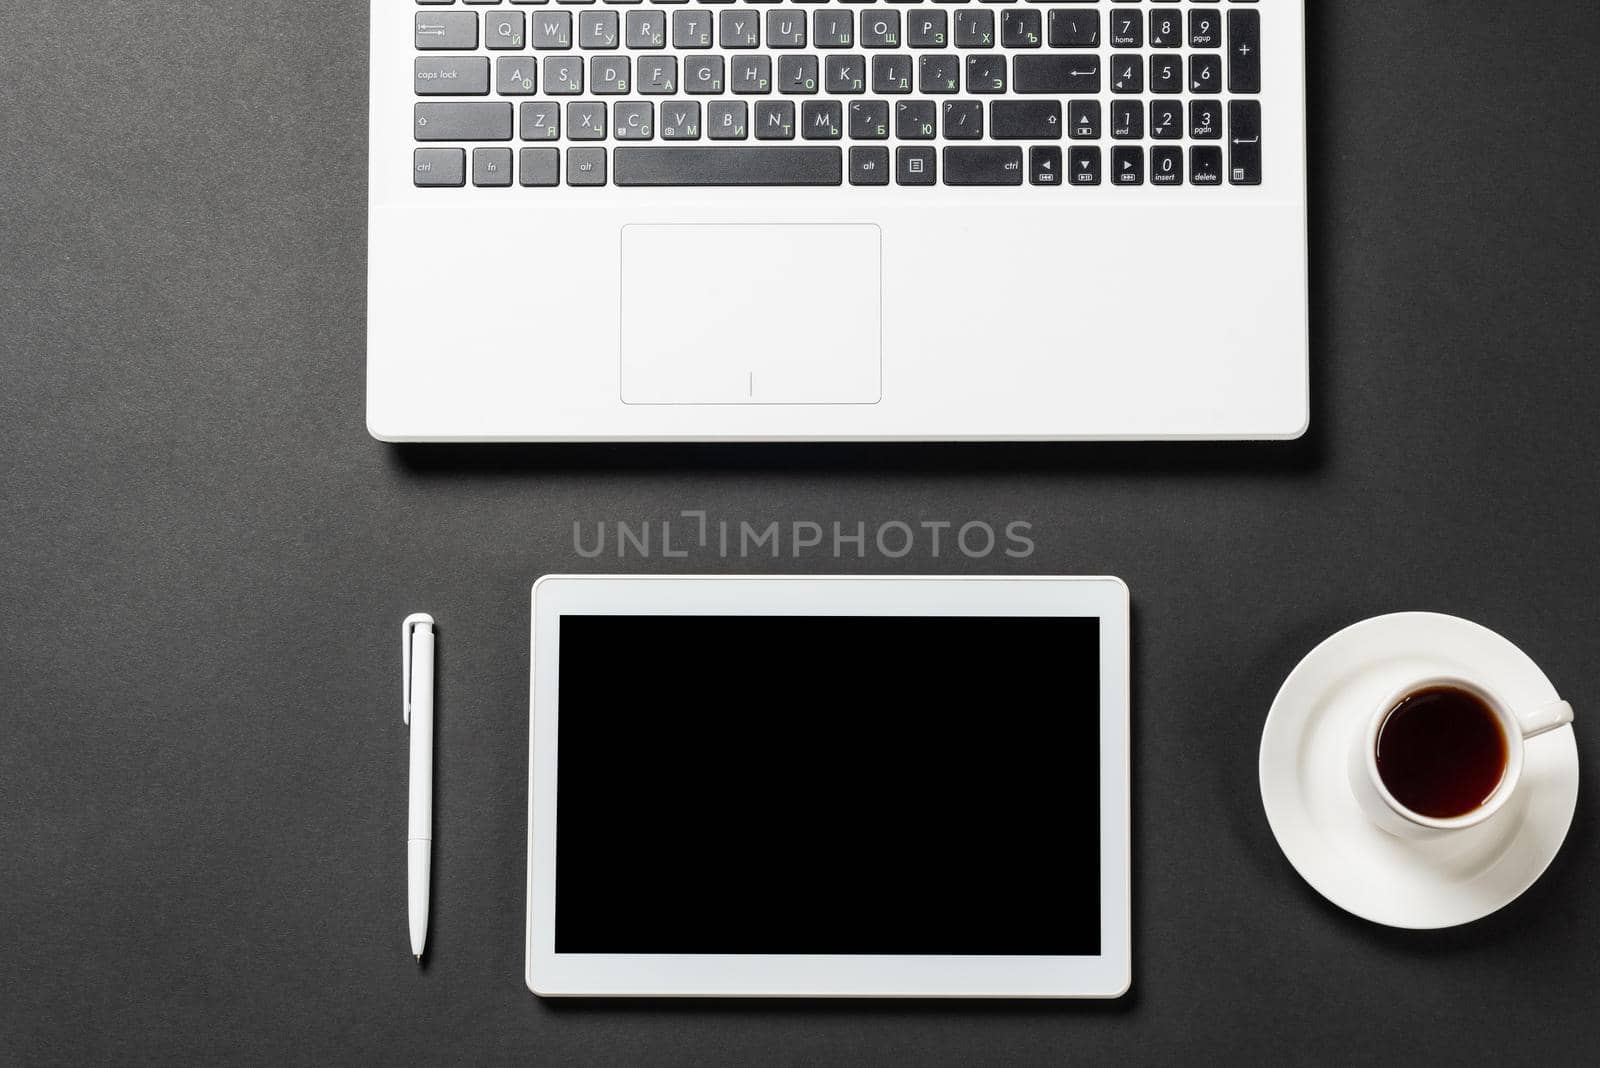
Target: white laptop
<point>836,220</point>
<point>809,787</point>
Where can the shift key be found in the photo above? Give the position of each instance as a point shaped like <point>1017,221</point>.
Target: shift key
<point>1025,120</point>
<point>463,122</point>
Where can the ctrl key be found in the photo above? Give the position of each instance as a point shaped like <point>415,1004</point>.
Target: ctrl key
<point>439,167</point>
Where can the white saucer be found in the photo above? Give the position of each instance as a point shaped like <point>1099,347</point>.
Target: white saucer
<point>1416,884</point>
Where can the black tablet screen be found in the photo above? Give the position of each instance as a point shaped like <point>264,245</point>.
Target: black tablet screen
<point>842,785</point>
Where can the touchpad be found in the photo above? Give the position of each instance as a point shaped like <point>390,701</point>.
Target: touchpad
<point>751,314</point>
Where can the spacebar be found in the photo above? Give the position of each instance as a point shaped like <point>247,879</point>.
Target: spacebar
<point>727,166</point>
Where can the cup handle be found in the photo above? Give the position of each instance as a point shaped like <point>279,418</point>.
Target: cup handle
<point>1543,720</point>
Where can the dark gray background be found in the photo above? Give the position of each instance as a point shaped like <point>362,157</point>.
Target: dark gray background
<point>204,561</point>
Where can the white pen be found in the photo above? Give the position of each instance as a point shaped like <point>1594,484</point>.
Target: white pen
<point>417,634</point>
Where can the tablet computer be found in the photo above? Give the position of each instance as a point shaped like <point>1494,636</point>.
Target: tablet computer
<point>828,787</point>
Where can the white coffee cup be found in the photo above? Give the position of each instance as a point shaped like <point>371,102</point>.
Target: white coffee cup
<point>1380,805</point>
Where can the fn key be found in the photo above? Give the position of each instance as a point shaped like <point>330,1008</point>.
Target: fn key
<point>1244,142</point>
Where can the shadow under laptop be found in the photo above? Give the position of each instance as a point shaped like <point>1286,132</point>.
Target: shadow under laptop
<point>1130,459</point>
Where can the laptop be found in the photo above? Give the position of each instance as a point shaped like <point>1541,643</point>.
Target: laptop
<point>837,221</point>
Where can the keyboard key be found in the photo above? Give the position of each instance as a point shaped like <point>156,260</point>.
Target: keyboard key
<point>1022,28</point>
<point>491,167</point>
<point>1044,165</point>
<point>680,121</point>
<point>1166,28</point>
<point>633,120</point>
<point>1205,74</point>
<point>1205,120</point>
<point>891,74</point>
<point>451,75</point>
<point>774,120</point>
<point>914,120</point>
<point>869,165</point>
<point>551,30</point>
<point>609,75</point>
<point>1127,28</point>
<point>729,166</point>
<point>726,120</point>
<point>1084,165</point>
<point>1244,145</point>
<point>1127,165</point>
<point>657,75</point>
<point>1244,51</point>
<point>822,120</point>
<point>1025,120</point>
<point>1205,165</point>
<point>845,74</point>
<point>1166,165</point>
<point>515,75</point>
<point>739,29</point>
<point>1205,27</point>
<point>539,166</point>
<point>702,74</point>
<point>1166,74</point>
<point>832,28</point>
<point>1127,120</point>
<point>987,165</point>
<point>798,74</point>
<point>463,122</point>
<point>1083,120</point>
<point>915,165</point>
<point>1074,28</point>
<point>648,29</point>
<point>540,120</point>
<point>439,168</point>
<point>986,73</point>
<point>869,120</point>
<point>1056,74</point>
<point>786,28</point>
<point>446,31</point>
<point>587,166</point>
<point>597,30</point>
<point>504,31</point>
<point>880,29</point>
<point>926,29</point>
<point>563,75</point>
<point>1166,120</point>
<point>939,73</point>
<point>751,75</point>
<point>963,121</point>
<point>1127,74</point>
<point>974,29</point>
<point>586,121</point>
<point>691,28</point>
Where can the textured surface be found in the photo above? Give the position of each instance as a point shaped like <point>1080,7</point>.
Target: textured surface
<point>204,561</point>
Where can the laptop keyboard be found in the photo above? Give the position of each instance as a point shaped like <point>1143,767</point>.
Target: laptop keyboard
<point>536,93</point>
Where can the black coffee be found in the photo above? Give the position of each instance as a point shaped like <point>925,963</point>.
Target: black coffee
<point>1441,752</point>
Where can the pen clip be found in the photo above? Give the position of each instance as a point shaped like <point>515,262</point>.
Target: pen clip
<point>412,622</point>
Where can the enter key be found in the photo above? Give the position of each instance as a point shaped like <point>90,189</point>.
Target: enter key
<point>1244,142</point>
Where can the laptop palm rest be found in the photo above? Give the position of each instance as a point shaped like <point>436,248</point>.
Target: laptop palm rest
<point>737,314</point>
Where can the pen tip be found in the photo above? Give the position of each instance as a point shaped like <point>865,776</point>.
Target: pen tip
<point>419,960</point>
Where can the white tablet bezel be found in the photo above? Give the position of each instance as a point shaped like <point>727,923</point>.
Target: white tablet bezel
<point>776,975</point>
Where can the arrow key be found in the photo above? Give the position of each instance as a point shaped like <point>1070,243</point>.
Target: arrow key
<point>1084,166</point>
<point>1044,165</point>
<point>1127,165</point>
